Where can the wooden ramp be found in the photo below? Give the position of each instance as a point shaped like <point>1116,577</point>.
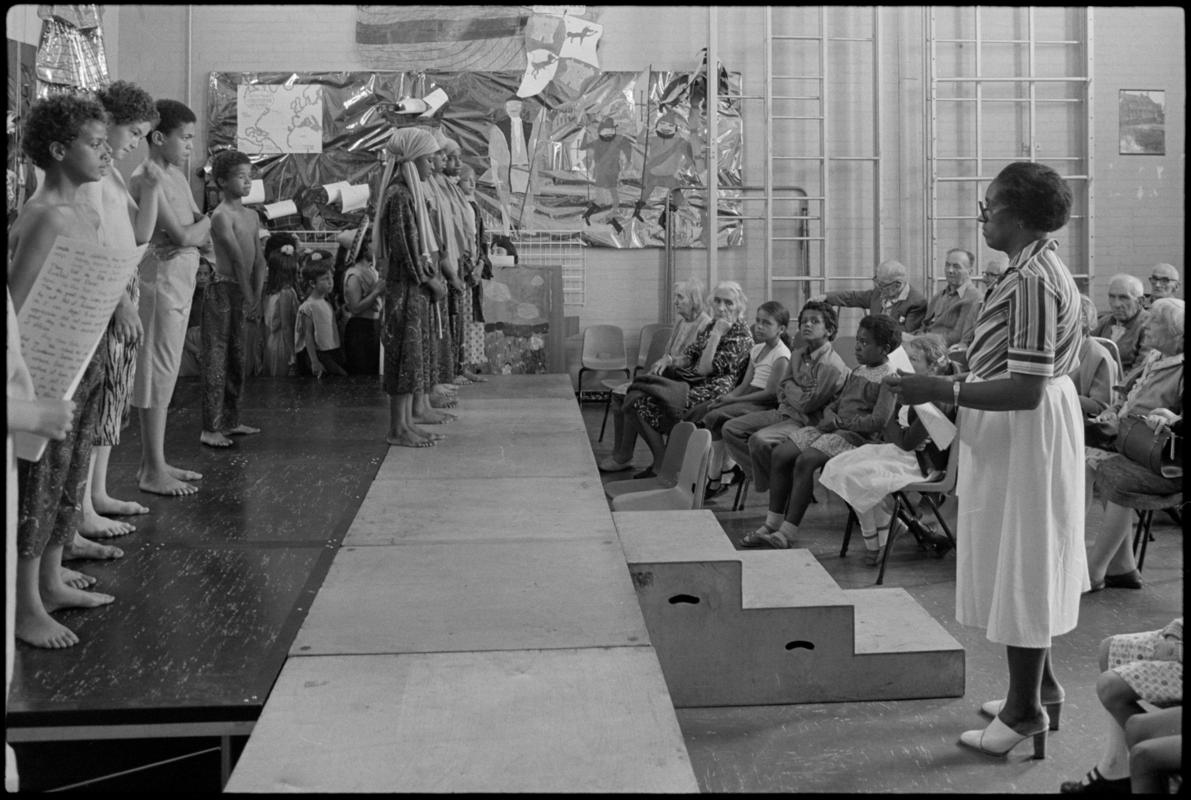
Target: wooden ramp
<point>478,630</point>
<point>735,628</point>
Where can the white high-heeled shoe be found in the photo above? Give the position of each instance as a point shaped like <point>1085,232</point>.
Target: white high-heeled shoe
<point>998,739</point>
<point>1053,710</point>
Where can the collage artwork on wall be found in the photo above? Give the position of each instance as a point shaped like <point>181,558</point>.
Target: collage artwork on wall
<point>599,158</point>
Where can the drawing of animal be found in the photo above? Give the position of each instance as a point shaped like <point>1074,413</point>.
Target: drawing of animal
<point>538,66</point>
<point>583,34</point>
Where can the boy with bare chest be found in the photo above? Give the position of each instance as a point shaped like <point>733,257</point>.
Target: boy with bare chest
<point>232,296</point>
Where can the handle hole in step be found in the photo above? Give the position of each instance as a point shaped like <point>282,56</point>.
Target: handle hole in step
<point>684,598</point>
<point>800,644</point>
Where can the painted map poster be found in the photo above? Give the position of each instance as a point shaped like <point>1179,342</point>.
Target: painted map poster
<point>273,119</point>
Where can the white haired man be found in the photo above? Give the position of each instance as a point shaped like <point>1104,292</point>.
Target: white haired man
<point>1125,321</point>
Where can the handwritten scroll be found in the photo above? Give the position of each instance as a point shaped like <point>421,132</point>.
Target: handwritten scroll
<point>64,316</point>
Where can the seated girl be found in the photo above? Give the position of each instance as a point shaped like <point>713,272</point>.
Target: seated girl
<point>709,366</point>
<point>757,391</point>
<point>856,416</point>
<point>866,476</point>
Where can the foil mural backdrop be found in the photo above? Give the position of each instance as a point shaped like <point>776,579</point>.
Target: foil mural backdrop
<point>600,156</point>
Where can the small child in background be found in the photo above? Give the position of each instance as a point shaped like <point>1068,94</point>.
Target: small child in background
<point>866,476</point>
<point>362,292</point>
<point>316,336</point>
<point>231,298</point>
<point>281,310</point>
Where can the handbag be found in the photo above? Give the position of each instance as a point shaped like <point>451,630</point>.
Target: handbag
<point>1160,451</point>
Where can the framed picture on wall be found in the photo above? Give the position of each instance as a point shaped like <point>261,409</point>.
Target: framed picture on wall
<point>1143,122</point>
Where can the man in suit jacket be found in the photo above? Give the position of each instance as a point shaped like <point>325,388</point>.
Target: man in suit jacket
<point>891,295</point>
<point>951,313</point>
<point>1125,321</point>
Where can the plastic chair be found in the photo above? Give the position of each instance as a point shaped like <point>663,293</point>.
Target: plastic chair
<point>602,350</point>
<point>687,493</point>
<point>667,475</point>
<point>901,507</point>
<point>1111,347</point>
<point>654,338</point>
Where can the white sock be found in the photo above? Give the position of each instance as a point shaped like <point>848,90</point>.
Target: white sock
<point>773,520</point>
<point>789,530</point>
<point>715,463</point>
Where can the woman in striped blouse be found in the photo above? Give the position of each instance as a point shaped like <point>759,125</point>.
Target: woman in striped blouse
<point>1021,562</point>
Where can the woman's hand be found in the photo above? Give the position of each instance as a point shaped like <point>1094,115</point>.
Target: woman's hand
<point>721,326</point>
<point>53,418</point>
<point>914,389</point>
<point>127,323</point>
<point>1168,650</point>
<point>1161,418</point>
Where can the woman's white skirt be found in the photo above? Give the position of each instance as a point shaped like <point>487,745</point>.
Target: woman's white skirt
<point>865,475</point>
<point>1021,564</point>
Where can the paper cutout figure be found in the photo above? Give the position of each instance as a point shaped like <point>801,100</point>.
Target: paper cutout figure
<point>256,194</point>
<point>608,152</point>
<point>666,154</point>
<point>580,43</point>
<point>539,71</point>
<point>512,144</point>
<point>355,196</point>
<point>282,209</point>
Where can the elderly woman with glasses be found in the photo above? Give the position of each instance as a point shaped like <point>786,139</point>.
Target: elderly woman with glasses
<point>1020,555</point>
<point>1164,282</point>
<point>710,366</point>
<point>1153,392</point>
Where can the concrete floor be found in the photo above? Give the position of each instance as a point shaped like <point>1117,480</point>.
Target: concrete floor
<point>911,745</point>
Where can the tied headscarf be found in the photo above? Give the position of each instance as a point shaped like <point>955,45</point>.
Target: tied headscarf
<point>459,199</point>
<point>403,147</point>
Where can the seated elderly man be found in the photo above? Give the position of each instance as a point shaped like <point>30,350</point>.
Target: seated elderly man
<point>891,295</point>
<point>952,312</point>
<point>1125,321</point>
<point>1164,282</point>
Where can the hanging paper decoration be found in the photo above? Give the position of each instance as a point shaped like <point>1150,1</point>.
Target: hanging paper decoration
<point>556,41</point>
<point>70,56</point>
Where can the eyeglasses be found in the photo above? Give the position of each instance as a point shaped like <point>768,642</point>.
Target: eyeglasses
<point>887,284</point>
<point>985,212</point>
<point>1161,281</point>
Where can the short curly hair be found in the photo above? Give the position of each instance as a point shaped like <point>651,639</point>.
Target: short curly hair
<point>1035,194</point>
<point>886,332</point>
<point>172,115</point>
<point>127,104</point>
<point>57,118</point>
<point>225,161</point>
<point>830,320</point>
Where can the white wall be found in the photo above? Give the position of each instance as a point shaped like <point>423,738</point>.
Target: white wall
<point>1139,199</point>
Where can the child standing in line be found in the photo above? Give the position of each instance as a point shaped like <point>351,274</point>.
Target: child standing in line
<point>66,136</point>
<point>864,477</point>
<point>316,336</point>
<point>230,298</point>
<point>281,310</point>
<point>856,416</point>
<point>122,224</point>
<point>168,275</point>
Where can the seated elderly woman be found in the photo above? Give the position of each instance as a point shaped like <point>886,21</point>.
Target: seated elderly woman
<point>1153,392</point>
<point>710,366</point>
<point>692,317</point>
<point>1098,371</point>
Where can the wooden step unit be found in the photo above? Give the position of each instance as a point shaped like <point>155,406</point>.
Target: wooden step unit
<point>771,627</point>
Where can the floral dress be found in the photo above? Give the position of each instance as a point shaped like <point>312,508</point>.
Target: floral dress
<point>409,364</point>
<point>732,352</point>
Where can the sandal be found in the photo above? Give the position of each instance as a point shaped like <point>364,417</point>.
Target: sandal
<point>754,539</point>
<point>1095,783</point>
<point>776,540</point>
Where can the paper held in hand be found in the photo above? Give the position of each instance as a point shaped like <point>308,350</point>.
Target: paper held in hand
<point>64,316</point>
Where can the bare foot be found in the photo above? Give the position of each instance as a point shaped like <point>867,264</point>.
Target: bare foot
<point>474,377</point>
<point>59,597</point>
<point>76,579</point>
<point>444,388</point>
<point>85,548</point>
<point>120,508</point>
<point>436,437</point>
<point>432,417</point>
<point>39,629</point>
<point>408,440</point>
<point>461,380</point>
<point>177,473</point>
<point>244,430</point>
<point>166,484</point>
<point>442,401</point>
<point>98,527</point>
<point>215,439</point>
